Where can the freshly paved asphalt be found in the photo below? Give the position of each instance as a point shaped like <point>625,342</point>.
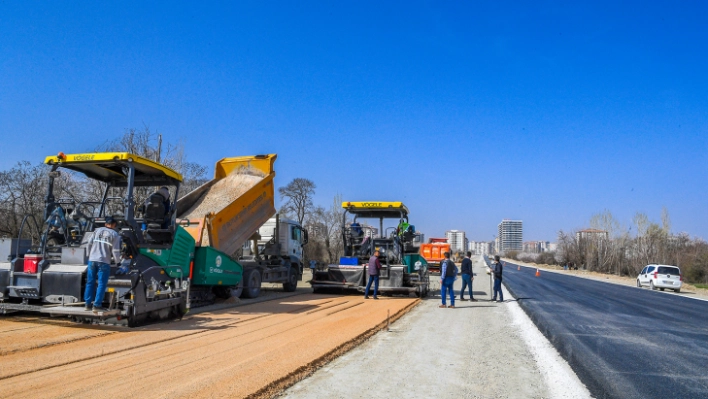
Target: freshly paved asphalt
<point>622,342</point>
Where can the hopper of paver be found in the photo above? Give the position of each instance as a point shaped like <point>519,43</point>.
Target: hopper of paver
<point>224,212</point>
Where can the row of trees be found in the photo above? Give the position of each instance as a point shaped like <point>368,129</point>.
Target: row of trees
<point>610,247</point>
<point>322,223</point>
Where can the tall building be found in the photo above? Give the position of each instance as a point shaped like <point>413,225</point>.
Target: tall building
<point>456,239</point>
<point>511,235</point>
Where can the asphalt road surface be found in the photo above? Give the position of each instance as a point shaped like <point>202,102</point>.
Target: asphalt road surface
<point>622,342</point>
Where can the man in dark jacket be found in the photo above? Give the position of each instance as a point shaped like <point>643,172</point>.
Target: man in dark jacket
<point>448,271</point>
<point>498,269</point>
<point>467,277</point>
<point>374,267</point>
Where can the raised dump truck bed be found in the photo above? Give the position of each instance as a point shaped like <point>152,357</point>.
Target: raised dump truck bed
<point>224,212</point>
<point>227,211</point>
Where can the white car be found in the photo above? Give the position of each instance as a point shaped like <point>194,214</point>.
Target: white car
<point>661,277</point>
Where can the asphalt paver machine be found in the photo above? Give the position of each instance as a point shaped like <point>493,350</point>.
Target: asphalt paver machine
<point>404,270</point>
<point>166,264</point>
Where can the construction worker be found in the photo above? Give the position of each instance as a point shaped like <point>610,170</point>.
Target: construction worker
<point>104,243</point>
<point>467,277</point>
<point>374,267</point>
<point>448,271</point>
<point>498,269</point>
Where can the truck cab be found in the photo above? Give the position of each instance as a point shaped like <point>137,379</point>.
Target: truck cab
<point>291,237</point>
<point>273,255</point>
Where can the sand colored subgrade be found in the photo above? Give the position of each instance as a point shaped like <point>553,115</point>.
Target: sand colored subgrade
<point>224,192</point>
<point>247,351</point>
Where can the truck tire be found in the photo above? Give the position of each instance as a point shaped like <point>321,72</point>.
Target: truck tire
<point>291,285</point>
<point>237,291</point>
<point>252,286</point>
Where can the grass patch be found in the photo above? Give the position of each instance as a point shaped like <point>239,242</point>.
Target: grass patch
<point>704,286</point>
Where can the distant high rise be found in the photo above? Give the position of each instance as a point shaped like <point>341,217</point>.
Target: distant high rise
<point>456,239</point>
<point>511,235</point>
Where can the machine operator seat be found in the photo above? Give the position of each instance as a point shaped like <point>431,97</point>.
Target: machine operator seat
<point>155,218</point>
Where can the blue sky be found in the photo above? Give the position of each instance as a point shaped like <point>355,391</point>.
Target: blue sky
<point>467,112</point>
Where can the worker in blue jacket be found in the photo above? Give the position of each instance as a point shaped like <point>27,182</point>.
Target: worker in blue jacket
<point>448,271</point>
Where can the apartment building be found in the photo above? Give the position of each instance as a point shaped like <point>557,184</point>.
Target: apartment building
<point>511,235</point>
<point>456,238</point>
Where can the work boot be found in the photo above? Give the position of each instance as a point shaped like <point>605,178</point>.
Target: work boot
<point>88,306</point>
<point>99,309</point>
<point>442,306</point>
<point>451,307</point>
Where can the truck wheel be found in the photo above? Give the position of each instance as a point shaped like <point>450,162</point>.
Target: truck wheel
<point>291,285</point>
<point>238,290</point>
<point>252,287</point>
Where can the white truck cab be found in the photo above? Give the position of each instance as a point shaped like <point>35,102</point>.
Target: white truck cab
<point>291,238</point>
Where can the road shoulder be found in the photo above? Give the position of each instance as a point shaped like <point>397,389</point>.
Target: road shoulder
<point>477,350</point>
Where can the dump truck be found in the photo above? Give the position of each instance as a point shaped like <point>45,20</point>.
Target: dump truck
<point>404,270</point>
<point>434,252</point>
<point>171,262</point>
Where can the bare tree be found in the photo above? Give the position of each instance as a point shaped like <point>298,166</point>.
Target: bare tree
<point>329,223</point>
<point>22,192</point>
<point>149,145</point>
<point>298,198</point>
<point>605,246</point>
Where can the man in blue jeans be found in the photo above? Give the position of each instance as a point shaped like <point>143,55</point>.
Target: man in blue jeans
<point>467,277</point>
<point>448,271</point>
<point>498,269</point>
<point>374,267</point>
<point>104,243</point>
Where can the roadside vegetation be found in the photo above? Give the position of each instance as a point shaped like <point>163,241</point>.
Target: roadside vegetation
<point>611,248</point>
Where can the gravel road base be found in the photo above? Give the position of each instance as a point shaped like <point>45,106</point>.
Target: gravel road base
<point>477,350</point>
